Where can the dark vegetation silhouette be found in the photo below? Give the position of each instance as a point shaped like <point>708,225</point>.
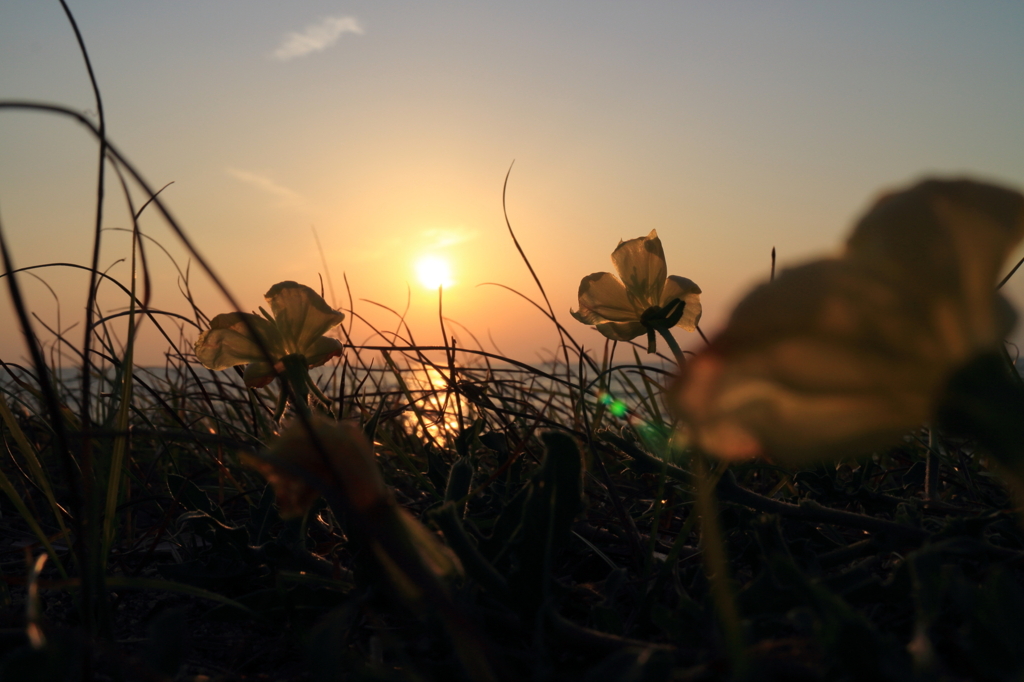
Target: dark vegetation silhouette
<point>472,516</point>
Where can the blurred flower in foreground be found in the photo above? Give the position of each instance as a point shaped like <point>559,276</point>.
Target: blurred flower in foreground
<point>300,320</point>
<point>841,356</point>
<point>642,298</point>
<point>297,466</point>
<point>350,478</point>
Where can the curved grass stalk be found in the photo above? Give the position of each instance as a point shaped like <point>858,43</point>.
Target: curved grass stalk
<point>19,504</point>
<point>716,562</point>
<point>121,427</point>
<point>32,458</point>
<point>128,583</point>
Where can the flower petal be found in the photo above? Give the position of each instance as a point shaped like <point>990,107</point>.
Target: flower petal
<point>230,341</point>
<point>946,240</point>
<point>621,331</point>
<point>322,350</point>
<point>302,316</point>
<point>640,263</point>
<point>258,374</point>
<point>743,407</point>
<point>603,299</point>
<point>687,291</point>
<point>824,362</point>
<point>842,356</point>
<point>349,466</point>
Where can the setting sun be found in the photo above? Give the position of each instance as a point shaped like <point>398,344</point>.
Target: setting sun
<point>434,272</point>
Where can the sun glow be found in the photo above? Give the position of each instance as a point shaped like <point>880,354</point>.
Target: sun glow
<point>434,272</point>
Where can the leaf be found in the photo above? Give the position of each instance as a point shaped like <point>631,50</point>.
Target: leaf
<point>553,500</point>
<point>448,520</point>
<point>125,583</point>
<point>370,427</point>
<point>506,526</point>
<point>460,477</point>
<point>437,469</point>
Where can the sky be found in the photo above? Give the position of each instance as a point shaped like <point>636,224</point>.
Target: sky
<point>386,129</point>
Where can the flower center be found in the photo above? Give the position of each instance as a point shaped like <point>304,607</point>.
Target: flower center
<point>663,317</point>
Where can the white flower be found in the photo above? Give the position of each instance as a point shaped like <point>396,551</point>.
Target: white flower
<point>300,320</point>
<point>616,305</point>
<point>842,356</point>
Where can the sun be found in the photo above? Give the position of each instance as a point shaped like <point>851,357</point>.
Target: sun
<point>434,272</point>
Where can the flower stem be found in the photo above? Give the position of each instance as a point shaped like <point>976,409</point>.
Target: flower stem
<point>671,341</point>
<point>320,396</point>
<point>716,563</point>
<point>295,382</point>
<point>282,402</point>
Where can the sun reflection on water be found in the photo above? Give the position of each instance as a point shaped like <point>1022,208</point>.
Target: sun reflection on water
<point>436,412</point>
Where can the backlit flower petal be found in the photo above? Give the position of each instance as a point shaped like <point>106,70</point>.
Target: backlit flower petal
<point>946,239</point>
<point>301,315</point>
<point>348,467</point>
<point>842,356</point>
<point>258,374</point>
<point>688,292</point>
<point>822,389</point>
<point>640,263</point>
<point>801,400</point>
<point>827,359</point>
<point>229,341</point>
<point>621,331</point>
<point>322,350</point>
<point>603,298</point>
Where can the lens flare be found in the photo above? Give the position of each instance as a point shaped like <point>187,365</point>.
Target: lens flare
<point>616,407</point>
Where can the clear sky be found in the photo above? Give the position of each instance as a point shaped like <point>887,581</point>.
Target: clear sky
<point>730,127</point>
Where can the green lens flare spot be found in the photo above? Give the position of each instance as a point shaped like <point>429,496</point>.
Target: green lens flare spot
<point>616,407</point>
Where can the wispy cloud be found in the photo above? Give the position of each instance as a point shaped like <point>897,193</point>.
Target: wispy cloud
<point>287,197</point>
<point>316,38</point>
<point>439,238</point>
